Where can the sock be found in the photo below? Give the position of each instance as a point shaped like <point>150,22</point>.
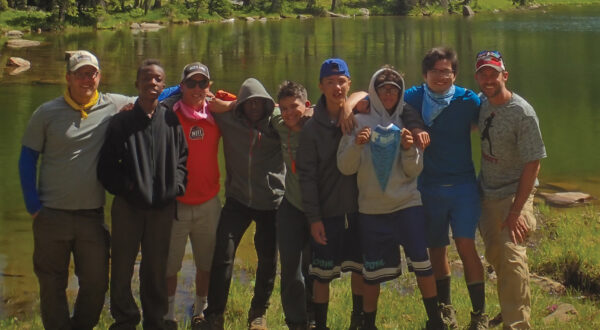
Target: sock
<point>200,305</point>
<point>369,319</point>
<point>432,309</point>
<point>443,290</point>
<point>171,313</point>
<point>321,315</point>
<point>477,294</point>
<point>357,304</point>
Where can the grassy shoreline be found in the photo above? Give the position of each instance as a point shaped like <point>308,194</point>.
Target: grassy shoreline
<point>564,248</point>
<point>32,20</point>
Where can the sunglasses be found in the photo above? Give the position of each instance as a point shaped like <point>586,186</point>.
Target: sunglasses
<point>191,83</point>
<point>85,75</point>
<point>492,53</point>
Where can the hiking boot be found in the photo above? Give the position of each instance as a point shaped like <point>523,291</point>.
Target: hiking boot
<point>478,321</point>
<point>496,321</point>
<point>449,316</point>
<point>433,325</point>
<point>210,322</point>
<point>257,320</point>
<point>298,327</point>
<point>198,322</point>
<point>356,321</point>
<point>170,325</point>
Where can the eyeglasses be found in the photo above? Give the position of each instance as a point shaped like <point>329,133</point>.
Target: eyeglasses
<point>441,73</point>
<point>388,90</point>
<point>191,83</point>
<point>492,53</point>
<point>80,75</point>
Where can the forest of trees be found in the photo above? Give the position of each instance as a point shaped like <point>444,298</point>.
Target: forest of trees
<point>84,12</point>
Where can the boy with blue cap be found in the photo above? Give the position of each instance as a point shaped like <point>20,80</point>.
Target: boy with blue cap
<point>329,198</point>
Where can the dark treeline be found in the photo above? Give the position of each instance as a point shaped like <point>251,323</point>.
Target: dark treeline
<point>87,12</point>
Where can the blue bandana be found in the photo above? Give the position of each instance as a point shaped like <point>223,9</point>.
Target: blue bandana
<point>434,103</point>
<point>384,147</point>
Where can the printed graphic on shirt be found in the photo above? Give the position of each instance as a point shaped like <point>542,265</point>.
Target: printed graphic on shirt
<point>384,146</point>
<point>485,135</point>
<point>196,133</point>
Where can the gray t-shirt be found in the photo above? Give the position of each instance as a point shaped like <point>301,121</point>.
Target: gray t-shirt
<point>510,138</point>
<point>70,149</point>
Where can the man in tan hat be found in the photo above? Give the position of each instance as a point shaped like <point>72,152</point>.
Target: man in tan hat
<point>67,202</point>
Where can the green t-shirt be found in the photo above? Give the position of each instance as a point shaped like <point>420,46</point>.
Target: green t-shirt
<point>510,138</point>
<point>289,145</point>
<point>70,147</point>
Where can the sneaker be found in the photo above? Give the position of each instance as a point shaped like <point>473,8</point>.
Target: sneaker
<point>449,316</point>
<point>257,320</point>
<point>356,321</point>
<point>211,322</point>
<point>170,325</point>
<point>479,321</point>
<point>496,321</point>
<point>198,322</point>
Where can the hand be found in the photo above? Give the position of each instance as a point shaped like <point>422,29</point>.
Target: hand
<point>363,106</point>
<point>407,139</point>
<point>363,136</point>
<point>33,216</point>
<point>317,230</point>
<point>126,107</point>
<point>422,138</point>
<point>517,228</point>
<point>347,122</point>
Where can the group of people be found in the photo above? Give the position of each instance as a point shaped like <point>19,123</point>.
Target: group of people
<point>333,188</point>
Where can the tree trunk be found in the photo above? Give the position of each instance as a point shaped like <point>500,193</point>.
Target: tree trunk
<point>157,4</point>
<point>276,6</point>
<point>146,6</point>
<point>333,2</point>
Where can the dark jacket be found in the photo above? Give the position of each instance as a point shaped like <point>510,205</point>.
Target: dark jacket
<point>326,192</point>
<point>144,159</point>
<point>253,161</point>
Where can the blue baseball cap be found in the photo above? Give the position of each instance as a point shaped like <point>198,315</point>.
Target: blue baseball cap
<point>334,67</point>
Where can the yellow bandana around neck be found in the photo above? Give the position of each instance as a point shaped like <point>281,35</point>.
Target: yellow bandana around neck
<point>81,108</point>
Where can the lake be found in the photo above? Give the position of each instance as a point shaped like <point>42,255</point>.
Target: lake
<point>550,55</point>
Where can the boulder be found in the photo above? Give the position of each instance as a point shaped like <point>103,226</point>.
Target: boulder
<point>14,34</point>
<point>548,285</point>
<point>468,11</point>
<point>20,43</point>
<point>302,17</point>
<point>249,19</point>
<point>332,14</point>
<point>15,70</point>
<point>565,199</point>
<point>198,22</point>
<point>135,26</point>
<point>18,62</point>
<point>363,12</point>
<point>561,313</point>
<point>228,20</point>
<point>151,26</point>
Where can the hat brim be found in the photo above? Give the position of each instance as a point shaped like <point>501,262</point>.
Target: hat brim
<point>191,74</point>
<point>498,68</point>
<point>82,64</point>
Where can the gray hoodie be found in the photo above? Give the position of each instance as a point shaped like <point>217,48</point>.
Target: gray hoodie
<point>253,161</point>
<point>401,190</point>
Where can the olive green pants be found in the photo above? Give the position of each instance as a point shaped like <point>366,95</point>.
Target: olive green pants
<point>508,259</point>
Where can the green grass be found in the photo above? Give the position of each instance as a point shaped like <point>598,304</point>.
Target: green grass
<point>563,238</point>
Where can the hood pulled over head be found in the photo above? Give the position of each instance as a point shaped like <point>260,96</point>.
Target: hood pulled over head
<point>376,103</point>
<point>252,88</point>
